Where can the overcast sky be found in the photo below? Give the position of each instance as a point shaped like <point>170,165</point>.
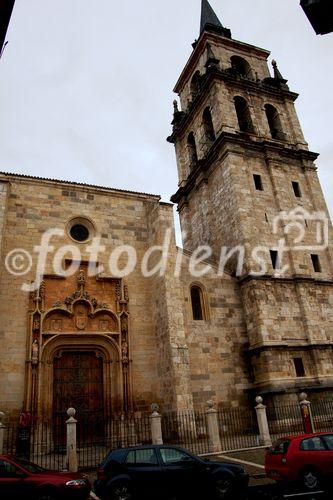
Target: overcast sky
<point>86,85</point>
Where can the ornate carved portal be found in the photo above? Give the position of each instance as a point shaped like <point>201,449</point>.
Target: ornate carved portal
<point>79,346</point>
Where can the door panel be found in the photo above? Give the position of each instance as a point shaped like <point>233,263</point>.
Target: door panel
<point>78,383</point>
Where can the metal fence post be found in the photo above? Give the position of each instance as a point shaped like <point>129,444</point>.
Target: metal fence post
<point>213,428</point>
<point>2,431</point>
<point>306,413</point>
<point>156,425</point>
<point>72,463</point>
<point>265,438</point>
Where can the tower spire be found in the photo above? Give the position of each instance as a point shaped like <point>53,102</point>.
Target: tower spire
<point>210,21</point>
<point>5,15</point>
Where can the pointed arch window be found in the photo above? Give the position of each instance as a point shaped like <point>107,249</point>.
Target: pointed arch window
<point>192,149</point>
<point>274,122</point>
<point>243,115</point>
<point>241,67</point>
<point>208,125</point>
<point>197,302</point>
<point>195,83</point>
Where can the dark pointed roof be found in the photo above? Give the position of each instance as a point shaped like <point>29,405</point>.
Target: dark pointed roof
<point>210,21</point>
<point>5,14</point>
<point>208,16</point>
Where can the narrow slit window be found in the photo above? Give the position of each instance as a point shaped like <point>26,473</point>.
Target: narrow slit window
<point>192,150</point>
<point>299,367</point>
<point>275,259</point>
<point>266,218</point>
<point>197,303</point>
<point>258,182</point>
<point>208,125</point>
<point>297,189</point>
<point>316,263</point>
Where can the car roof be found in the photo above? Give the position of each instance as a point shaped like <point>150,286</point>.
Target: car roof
<point>304,436</point>
<point>149,447</point>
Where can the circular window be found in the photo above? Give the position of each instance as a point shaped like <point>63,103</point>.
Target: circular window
<point>80,229</point>
<point>79,232</point>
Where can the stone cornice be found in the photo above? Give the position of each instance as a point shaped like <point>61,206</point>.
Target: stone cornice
<point>285,345</point>
<point>248,142</point>
<point>292,279</point>
<point>287,386</point>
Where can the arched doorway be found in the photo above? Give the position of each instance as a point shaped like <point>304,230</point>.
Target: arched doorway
<point>78,383</point>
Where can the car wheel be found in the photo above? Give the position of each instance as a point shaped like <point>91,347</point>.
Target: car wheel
<point>223,487</point>
<point>122,491</point>
<point>311,479</point>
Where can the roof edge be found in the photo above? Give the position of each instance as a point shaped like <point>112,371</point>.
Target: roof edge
<point>8,175</point>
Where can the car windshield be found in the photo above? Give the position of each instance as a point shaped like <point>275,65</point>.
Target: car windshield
<point>33,468</point>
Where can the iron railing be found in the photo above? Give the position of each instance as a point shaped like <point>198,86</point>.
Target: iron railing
<point>186,429</point>
<point>96,439</point>
<point>285,420</point>
<point>38,443</point>
<point>322,412</point>
<point>44,441</point>
<point>238,428</point>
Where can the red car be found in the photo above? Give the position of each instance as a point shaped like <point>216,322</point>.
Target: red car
<point>307,458</point>
<point>22,479</point>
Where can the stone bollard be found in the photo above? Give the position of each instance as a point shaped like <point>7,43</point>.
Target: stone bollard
<point>265,438</point>
<point>156,425</point>
<point>72,464</point>
<point>213,428</point>
<point>306,413</point>
<point>2,431</point>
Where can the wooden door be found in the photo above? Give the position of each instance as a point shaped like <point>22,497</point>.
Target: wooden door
<point>78,383</point>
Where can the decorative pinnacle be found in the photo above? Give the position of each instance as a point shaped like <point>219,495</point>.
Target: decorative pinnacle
<point>212,61</point>
<point>277,73</point>
<point>175,106</point>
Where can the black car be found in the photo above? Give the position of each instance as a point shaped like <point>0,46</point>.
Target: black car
<point>167,472</point>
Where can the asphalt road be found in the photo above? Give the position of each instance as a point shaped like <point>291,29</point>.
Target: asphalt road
<point>273,492</point>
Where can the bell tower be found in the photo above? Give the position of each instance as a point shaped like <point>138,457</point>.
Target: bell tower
<point>244,168</point>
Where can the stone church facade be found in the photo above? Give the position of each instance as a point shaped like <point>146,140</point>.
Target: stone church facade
<point>106,343</point>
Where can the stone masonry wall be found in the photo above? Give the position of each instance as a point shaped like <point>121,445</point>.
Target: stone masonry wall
<point>218,344</point>
<point>119,218</point>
